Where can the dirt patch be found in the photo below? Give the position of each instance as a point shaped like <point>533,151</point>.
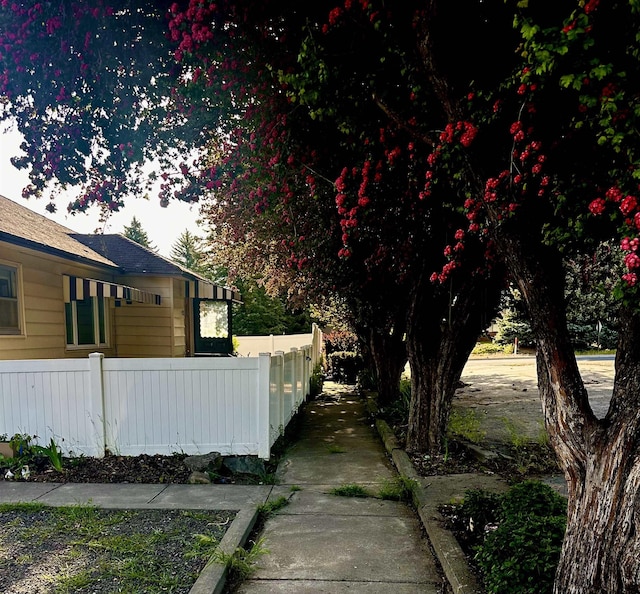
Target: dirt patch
<point>86,550</point>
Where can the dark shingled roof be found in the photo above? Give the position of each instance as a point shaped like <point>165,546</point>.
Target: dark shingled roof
<point>19,225</point>
<point>132,257</point>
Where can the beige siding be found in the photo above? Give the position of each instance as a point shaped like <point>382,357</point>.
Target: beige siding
<point>41,299</point>
<point>146,330</point>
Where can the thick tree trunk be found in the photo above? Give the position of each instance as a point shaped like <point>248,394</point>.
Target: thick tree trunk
<point>600,457</point>
<point>438,347</point>
<point>388,353</point>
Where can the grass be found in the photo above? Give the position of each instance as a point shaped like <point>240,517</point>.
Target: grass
<point>241,563</point>
<point>63,550</point>
<point>271,507</point>
<point>466,424</point>
<point>401,488</point>
<point>350,490</point>
<point>336,449</point>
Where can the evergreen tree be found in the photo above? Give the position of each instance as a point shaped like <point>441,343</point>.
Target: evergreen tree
<point>188,251</point>
<point>136,233</point>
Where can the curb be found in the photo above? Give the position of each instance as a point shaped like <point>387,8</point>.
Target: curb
<point>445,545</point>
<point>213,577</point>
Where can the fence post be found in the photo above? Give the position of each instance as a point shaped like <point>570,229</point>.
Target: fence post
<point>96,402</point>
<point>280,390</point>
<point>294,377</point>
<point>263,421</point>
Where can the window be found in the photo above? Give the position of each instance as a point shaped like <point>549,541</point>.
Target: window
<point>214,319</point>
<point>86,321</point>
<point>9,305</point>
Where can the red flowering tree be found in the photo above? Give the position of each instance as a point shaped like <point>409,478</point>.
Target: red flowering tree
<point>337,181</point>
<point>438,110</point>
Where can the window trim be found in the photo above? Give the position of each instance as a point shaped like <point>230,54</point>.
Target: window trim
<point>96,325</point>
<point>17,267</point>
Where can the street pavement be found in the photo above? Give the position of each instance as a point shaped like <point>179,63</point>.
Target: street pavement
<point>503,391</point>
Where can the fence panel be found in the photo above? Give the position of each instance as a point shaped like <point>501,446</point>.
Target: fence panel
<point>288,386</point>
<point>276,398</point>
<point>181,405</point>
<point>48,399</point>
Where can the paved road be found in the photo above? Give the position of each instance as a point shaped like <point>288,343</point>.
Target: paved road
<point>503,391</point>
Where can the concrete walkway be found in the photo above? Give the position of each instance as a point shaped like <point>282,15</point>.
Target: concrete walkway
<point>321,542</point>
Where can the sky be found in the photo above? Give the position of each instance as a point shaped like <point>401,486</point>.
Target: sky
<point>162,225</point>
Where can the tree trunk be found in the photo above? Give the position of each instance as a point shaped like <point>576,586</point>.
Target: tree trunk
<point>438,347</point>
<point>388,353</point>
<point>600,457</point>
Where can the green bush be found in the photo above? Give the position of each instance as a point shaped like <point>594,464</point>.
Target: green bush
<point>521,554</point>
<point>316,380</point>
<point>345,366</point>
<point>516,536</point>
<point>492,348</point>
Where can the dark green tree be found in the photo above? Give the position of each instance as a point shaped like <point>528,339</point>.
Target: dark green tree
<point>188,251</point>
<point>135,232</point>
<point>263,314</point>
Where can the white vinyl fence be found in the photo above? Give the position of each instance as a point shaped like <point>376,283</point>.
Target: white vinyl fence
<point>252,345</point>
<point>231,405</point>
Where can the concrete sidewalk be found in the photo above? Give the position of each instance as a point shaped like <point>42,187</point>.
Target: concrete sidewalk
<point>319,542</point>
<point>322,542</point>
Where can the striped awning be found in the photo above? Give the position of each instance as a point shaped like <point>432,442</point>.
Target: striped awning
<point>77,288</point>
<point>199,289</point>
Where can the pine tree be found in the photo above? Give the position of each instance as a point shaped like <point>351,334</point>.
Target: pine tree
<point>136,233</point>
<point>188,251</point>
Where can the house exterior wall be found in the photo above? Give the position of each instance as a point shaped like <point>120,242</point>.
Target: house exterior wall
<point>150,330</point>
<point>41,301</point>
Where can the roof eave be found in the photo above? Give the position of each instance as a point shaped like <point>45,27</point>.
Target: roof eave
<point>34,245</point>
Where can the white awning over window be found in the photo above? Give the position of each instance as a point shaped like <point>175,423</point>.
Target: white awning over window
<point>200,289</point>
<point>76,288</point>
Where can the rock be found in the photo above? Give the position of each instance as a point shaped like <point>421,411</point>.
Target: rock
<point>245,465</point>
<point>204,462</point>
<point>479,453</point>
<point>199,478</point>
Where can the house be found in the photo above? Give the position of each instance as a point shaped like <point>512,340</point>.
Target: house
<point>65,294</point>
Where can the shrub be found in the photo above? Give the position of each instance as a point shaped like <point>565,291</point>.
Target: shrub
<point>345,366</point>
<point>521,555</point>
<point>516,536</point>
<point>316,380</point>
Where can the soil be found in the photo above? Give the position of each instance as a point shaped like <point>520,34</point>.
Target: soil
<point>151,469</point>
<point>113,469</point>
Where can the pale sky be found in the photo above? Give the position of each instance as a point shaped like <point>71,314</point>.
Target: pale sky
<point>162,225</point>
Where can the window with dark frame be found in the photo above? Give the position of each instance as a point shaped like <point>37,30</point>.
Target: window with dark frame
<point>9,304</point>
<point>86,322</point>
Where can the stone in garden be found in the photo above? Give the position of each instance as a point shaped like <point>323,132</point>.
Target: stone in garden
<point>199,478</point>
<point>204,462</point>
<point>245,465</point>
